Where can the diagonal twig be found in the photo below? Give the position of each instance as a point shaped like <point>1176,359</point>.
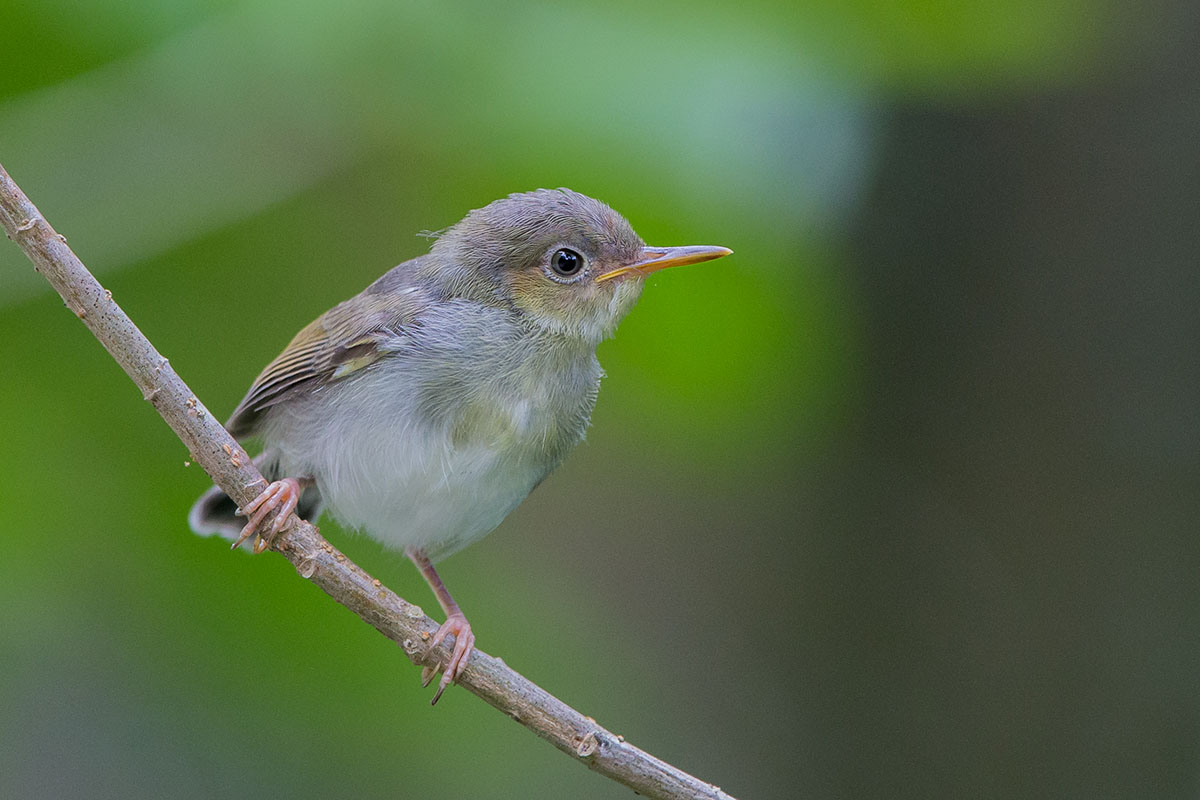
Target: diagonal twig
<point>301,543</point>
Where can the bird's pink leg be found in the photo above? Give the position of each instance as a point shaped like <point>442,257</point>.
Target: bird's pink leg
<point>280,496</point>
<point>456,624</point>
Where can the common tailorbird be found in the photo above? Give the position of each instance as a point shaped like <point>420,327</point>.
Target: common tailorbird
<point>423,410</point>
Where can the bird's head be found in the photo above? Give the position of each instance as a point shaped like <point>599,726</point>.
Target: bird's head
<point>564,261</point>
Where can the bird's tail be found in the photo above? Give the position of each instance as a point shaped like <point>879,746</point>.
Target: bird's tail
<point>216,514</point>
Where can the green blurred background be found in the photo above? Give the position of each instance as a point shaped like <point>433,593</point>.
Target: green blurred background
<point>899,501</point>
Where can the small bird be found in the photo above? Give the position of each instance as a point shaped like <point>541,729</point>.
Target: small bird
<point>423,410</point>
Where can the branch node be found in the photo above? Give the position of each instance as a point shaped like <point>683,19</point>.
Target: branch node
<point>588,746</point>
<point>26,225</point>
<point>194,410</point>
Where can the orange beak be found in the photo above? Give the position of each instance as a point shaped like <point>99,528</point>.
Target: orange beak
<point>652,259</point>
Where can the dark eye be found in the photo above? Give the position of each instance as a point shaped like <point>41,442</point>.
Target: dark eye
<point>566,262</point>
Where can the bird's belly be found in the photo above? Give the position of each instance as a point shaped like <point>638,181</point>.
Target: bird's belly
<point>421,485</point>
<point>414,493</point>
<point>419,463</point>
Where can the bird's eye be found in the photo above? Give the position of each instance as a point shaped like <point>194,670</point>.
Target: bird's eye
<point>566,262</point>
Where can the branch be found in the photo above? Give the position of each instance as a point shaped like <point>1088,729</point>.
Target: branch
<point>300,543</point>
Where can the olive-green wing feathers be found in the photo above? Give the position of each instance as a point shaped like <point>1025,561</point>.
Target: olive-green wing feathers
<point>347,338</point>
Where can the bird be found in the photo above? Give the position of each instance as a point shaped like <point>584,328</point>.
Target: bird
<point>424,409</point>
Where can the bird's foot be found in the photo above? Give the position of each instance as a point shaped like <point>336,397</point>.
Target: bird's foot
<point>464,643</point>
<point>280,496</point>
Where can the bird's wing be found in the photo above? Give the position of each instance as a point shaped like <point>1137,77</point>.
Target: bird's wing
<point>347,338</point>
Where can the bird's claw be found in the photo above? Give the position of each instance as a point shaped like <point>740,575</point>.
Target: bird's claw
<point>464,643</point>
<point>281,496</point>
<point>427,674</point>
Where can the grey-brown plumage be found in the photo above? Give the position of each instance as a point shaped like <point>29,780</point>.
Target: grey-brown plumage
<point>425,408</point>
